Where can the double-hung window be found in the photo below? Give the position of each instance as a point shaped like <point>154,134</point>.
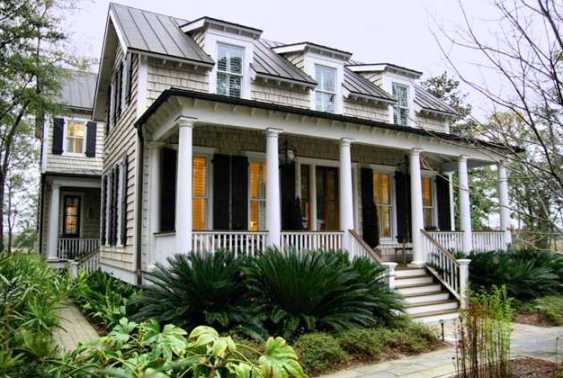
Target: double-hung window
<point>257,180</point>
<point>401,108</point>
<point>200,195</point>
<point>75,137</point>
<point>230,61</point>
<point>383,202</point>
<point>428,201</point>
<point>325,92</point>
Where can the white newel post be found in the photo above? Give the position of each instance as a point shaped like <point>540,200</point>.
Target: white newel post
<point>464,205</point>
<point>417,216</point>
<point>504,203</point>
<point>391,274</point>
<point>184,185</point>
<point>346,200</point>
<point>53,222</point>
<point>273,205</point>
<point>464,281</point>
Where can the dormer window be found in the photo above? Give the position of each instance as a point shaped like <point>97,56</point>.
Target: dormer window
<point>325,92</point>
<point>75,136</point>
<point>401,108</point>
<point>229,70</point>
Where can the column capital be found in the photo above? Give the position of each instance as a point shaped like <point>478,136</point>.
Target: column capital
<point>271,132</point>
<point>185,121</point>
<point>346,142</point>
<point>462,159</point>
<point>415,151</point>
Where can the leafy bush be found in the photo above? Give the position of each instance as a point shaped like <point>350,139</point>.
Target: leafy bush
<point>319,352</point>
<point>103,298</point>
<point>318,291</point>
<point>362,343</point>
<point>146,350</point>
<point>525,274</point>
<point>550,307</point>
<point>197,289</point>
<point>29,295</point>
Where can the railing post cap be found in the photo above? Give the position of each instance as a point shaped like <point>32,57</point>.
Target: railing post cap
<point>463,261</point>
<point>390,265</point>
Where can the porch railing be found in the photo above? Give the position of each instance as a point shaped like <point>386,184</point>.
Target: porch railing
<point>450,240</point>
<point>488,241</point>
<point>89,263</point>
<point>359,248</point>
<point>310,240</point>
<point>442,264</point>
<point>73,248</point>
<point>234,241</point>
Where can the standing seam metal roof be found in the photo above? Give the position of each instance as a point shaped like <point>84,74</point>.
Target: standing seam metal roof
<point>77,89</point>
<point>427,101</point>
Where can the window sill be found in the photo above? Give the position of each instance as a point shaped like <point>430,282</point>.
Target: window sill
<point>74,154</point>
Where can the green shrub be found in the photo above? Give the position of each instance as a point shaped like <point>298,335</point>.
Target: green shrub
<point>525,274</point>
<point>197,289</point>
<point>30,293</point>
<point>147,350</point>
<point>551,307</point>
<point>318,291</point>
<point>103,298</point>
<point>319,352</point>
<point>362,343</point>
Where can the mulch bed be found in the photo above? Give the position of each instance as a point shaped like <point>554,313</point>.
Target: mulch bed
<point>527,367</point>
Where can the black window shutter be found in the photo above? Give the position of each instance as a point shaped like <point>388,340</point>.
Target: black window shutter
<point>370,226</point>
<point>403,195</point>
<point>110,207</point>
<point>168,161</point>
<point>239,193</point>
<point>91,128</point>
<point>130,77</point>
<point>292,219</point>
<point>124,201</point>
<point>119,89</point>
<point>443,197</point>
<point>104,209</point>
<point>108,110</point>
<point>221,192</point>
<point>58,134</point>
<point>115,205</point>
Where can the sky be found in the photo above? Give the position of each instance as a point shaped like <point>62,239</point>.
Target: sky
<point>393,31</point>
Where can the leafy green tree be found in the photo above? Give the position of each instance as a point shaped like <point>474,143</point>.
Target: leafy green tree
<point>30,53</point>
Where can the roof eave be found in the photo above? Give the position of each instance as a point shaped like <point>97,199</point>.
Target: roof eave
<point>303,83</point>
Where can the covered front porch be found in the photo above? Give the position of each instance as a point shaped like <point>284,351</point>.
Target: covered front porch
<point>244,187</point>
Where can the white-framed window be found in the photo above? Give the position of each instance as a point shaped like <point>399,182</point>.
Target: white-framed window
<point>383,199</point>
<point>230,61</point>
<point>401,108</point>
<point>325,91</point>
<point>200,192</point>
<point>428,203</point>
<point>257,195</point>
<point>75,136</point>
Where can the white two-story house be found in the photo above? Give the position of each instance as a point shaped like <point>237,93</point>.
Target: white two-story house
<point>216,138</point>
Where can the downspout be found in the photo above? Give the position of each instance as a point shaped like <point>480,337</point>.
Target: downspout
<point>139,219</point>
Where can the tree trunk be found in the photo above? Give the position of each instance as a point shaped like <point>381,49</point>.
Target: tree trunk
<point>2,191</point>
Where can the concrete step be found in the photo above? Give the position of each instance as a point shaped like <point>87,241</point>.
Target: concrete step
<point>431,307</point>
<point>414,281</point>
<point>408,273</point>
<point>418,290</point>
<point>435,317</point>
<point>418,299</point>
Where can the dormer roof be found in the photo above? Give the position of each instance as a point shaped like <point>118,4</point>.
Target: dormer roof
<point>204,23</point>
<point>385,67</point>
<point>269,65</point>
<point>77,90</point>
<point>431,103</point>
<point>359,86</point>
<point>314,48</point>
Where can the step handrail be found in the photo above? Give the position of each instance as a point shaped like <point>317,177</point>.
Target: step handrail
<point>447,269</point>
<point>358,239</point>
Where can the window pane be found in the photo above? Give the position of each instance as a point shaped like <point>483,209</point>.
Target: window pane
<point>75,134</point>
<point>428,217</point>
<point>234,86</point>
<point>305,195</point>
<point>222,61</point>
<point>382,188</point>
<point>199,207</point>
<point>257,215</point>
<point>326,78</point>
<point>324,102</point>
<point>221,83</point>
<point>71,215</point>
<point>257,181</point>
<point>427,191</point>
<point>235,65</point>
<point>384,217</point>
<point>199,186</point>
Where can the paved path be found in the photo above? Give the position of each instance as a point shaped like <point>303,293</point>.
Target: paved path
<point>526,341</point>
<point>74,328</point>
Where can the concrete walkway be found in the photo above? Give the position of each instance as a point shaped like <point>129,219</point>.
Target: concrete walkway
<point>527,340</point>
<point>75,328</point>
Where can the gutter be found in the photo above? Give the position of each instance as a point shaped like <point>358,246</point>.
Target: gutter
<point>139,217</point>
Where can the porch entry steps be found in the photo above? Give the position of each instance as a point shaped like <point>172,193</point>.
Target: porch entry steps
<point>425,299</point>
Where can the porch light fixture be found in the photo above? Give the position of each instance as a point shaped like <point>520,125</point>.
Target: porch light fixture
<point>288,153</point>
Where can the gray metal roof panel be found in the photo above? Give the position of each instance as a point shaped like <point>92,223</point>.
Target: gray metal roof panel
<point>77,89</point>
<point>358,84</point>
<point>268,62</point>
<point>427,101</point>
<point>156,33</point>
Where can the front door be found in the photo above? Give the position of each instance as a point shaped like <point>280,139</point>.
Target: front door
<point>327,199</point>
<point>71,216</point>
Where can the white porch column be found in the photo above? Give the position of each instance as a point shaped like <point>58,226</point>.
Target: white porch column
<point>154,197</point>
<point>464,205</point>
<point>452,201</point>
<point>273,205</point>
<point>184,186</point>
<point>54,207</point>
<point>504,203</point>
<point>417,215</point>
<point>346,200</point>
